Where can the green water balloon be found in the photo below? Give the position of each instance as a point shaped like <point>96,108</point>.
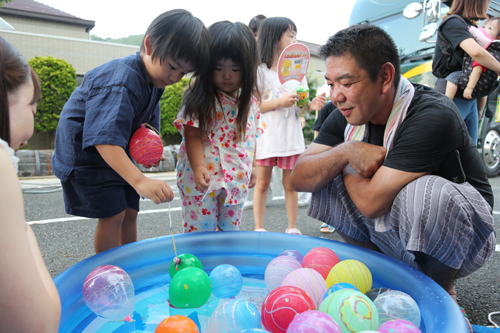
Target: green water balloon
<point>184,260</point>
<point>190,288</point>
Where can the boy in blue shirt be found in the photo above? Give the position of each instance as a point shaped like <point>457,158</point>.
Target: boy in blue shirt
<point>92,156</point>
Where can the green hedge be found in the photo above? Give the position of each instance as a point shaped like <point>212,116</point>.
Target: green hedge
<point>314,83</point>
<point>170,103</point>
<point>58,81</point>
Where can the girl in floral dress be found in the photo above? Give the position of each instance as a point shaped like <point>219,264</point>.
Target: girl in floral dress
<point>220,121</point>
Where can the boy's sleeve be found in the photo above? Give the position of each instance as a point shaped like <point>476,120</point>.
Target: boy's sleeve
<point>183,120</point>
<point>109,112</point>
<point>155,119</point>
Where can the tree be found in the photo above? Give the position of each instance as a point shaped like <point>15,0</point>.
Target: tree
<point>170,103</point>
<point>314,83</point>
<point>130,40</point>
<point>2,2</point>
<point>58,81</point>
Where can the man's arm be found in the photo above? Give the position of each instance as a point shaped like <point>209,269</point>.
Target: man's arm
<point>317,166</point>
<point>374,196</point>
<point>320,164</point>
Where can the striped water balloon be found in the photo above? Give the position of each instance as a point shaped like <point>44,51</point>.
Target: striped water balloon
<point>278,269</point>
<point>308,280</point>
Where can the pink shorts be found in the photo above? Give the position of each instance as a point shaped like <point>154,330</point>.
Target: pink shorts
<point>285,162</point>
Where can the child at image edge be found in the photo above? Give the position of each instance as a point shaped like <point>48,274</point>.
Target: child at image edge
<point>283,141</point>
<point>220,122</point>
<point>26,289</point>
<point>92,156</point>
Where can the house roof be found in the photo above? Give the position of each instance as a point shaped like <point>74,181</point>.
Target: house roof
<point>313,48</point>
<point>37,10</point>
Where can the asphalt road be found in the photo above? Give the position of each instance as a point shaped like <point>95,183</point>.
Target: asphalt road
<point>65,240</point>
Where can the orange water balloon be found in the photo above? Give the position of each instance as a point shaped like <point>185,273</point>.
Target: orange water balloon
<point>177,324</point>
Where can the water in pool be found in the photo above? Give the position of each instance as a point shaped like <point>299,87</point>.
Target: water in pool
<point>151,306</point>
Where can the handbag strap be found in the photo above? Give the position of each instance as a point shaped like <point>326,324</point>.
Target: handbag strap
<point>441,36</point>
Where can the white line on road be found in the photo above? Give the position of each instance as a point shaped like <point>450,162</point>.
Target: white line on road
<point>67,219</point>
<point>63,219</point>
<point>497,248</point>
<point>150,211</point>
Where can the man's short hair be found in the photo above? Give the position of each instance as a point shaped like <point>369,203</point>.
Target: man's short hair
<point>369,45</point>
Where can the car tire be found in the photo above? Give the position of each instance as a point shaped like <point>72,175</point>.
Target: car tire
<point>490,153</point>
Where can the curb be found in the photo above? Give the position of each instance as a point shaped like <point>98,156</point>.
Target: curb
<point>37,163</point>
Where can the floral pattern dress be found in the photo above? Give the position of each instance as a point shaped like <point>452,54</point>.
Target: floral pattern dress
<point>228,160</point>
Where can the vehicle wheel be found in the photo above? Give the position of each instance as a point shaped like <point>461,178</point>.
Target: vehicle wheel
<point>491,150</point>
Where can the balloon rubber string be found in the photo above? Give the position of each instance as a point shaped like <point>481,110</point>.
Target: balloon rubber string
<point>153,129</point>
<point>176,259</point>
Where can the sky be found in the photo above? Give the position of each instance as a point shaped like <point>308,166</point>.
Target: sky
<point>114,18</point>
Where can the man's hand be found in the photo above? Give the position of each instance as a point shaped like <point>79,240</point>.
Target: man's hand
<point>156,190</point>
<point>366,158</point>
<point>202,178</point>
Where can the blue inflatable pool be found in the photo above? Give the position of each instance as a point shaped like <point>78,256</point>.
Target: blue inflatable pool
<point>250,252</point>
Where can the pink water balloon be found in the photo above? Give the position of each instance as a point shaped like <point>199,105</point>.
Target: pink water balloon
<point>109,292</point>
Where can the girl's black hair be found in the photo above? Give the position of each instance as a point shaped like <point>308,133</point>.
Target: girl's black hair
<point>181,36</point>
<point>234,41</point>
<point>14,73</point>
<point>270,32</point>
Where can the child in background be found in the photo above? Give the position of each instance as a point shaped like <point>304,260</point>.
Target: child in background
<point>30,301</point>
<point>490,29</point>
<point>92,156</point>
<point>220,122</point>
<point>484,36</point>
<point>254,24</point>
<point>283,141</point>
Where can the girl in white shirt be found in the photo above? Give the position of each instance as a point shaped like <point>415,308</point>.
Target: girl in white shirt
<point>282,142</point>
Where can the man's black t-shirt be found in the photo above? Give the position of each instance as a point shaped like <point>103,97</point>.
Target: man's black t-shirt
<point>432,130</point>
<point>323,114</point>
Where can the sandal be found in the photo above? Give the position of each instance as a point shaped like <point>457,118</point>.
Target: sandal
<point>260,230</point>
<point>326,228</point>
<point>466,318</point>
<point>293,231</point>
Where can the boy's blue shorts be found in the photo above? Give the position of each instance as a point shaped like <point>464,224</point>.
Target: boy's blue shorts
<point>89,196</point>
